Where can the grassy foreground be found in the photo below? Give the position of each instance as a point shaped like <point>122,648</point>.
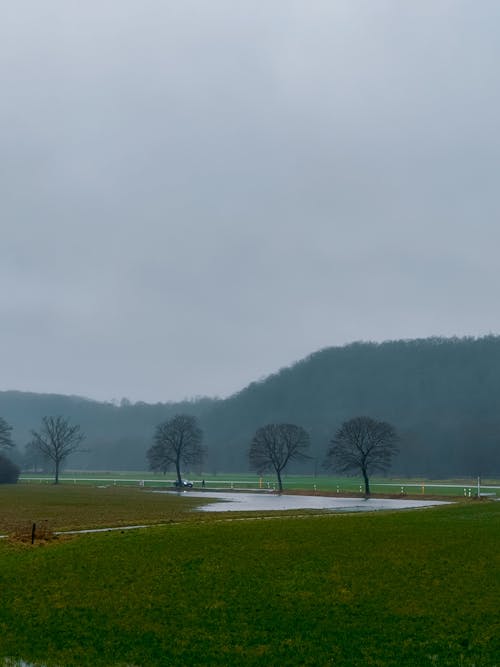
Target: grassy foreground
<point>67,507</point>
<point>409,588</point>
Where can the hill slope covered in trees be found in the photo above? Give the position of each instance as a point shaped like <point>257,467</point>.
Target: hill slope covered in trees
<point>442,395</point>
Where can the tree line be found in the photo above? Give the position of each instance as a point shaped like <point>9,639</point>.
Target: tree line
<point>55,440</point>
<point>442,395</point>
<point>361,444</point>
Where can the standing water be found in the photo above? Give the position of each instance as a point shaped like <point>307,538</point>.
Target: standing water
<point>247,502</point>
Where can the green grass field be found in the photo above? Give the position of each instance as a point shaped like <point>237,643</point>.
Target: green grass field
<point>410,588</point>
<point>67,507</point>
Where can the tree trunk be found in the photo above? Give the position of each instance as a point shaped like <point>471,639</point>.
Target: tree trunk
<point>56,481</point>
<point>280,484</point>
<point>367,483</point>
<point>178,471</point>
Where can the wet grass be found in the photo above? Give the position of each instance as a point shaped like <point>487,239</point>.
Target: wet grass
<point>410,588</point>
<point>311,483</point>
<point>66,506</point>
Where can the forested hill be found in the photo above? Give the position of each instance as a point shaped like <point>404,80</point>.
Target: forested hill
<point>117,436</point>
<point>442,395</point>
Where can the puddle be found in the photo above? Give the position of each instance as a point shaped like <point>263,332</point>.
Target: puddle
<point>257,502</point>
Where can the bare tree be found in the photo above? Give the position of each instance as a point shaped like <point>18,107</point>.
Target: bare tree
<point>5,434</point>
<point>275,445</point>
<point>176,441</point>
<point>363,444</point>
<point>56,440</point>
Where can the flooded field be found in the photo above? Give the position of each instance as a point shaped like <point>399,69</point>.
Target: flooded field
<point>264,502</point>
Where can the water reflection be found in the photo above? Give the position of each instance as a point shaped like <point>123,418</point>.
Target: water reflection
<point>245,502</point>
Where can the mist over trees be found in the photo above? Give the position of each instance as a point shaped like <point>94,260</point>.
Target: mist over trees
<point>441,395</point>
<point>5,434</point>
<point>117,435</point>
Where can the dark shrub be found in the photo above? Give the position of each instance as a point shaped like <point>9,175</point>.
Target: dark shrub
<point>9,472</point>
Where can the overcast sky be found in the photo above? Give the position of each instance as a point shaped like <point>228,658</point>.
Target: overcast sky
<point>194,194</point>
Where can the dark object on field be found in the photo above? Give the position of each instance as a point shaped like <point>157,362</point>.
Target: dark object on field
<point>362,444</point>
<point>32,531</point>
<point>183,483</point>
<point>9,472</point>
<point>202,483</point>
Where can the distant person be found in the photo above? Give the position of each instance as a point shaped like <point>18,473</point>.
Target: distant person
<point>203,483</point>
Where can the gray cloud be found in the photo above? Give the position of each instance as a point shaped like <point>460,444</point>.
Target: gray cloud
<point>194,194</point>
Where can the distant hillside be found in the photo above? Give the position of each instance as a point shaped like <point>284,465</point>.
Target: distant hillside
<point>443,396</point>
<point>117,437</point>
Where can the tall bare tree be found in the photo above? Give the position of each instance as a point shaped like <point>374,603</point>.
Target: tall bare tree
<point>56,440</point>
<point>176,441</point>
<point>363,444</point>
<point>5,434</point>
<point>275,445</point>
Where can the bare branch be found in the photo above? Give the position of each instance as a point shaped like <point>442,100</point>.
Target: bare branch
<point>362,444</point>
<point>56,440</point>
<point>176,441</point>
<point>275,445</point>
